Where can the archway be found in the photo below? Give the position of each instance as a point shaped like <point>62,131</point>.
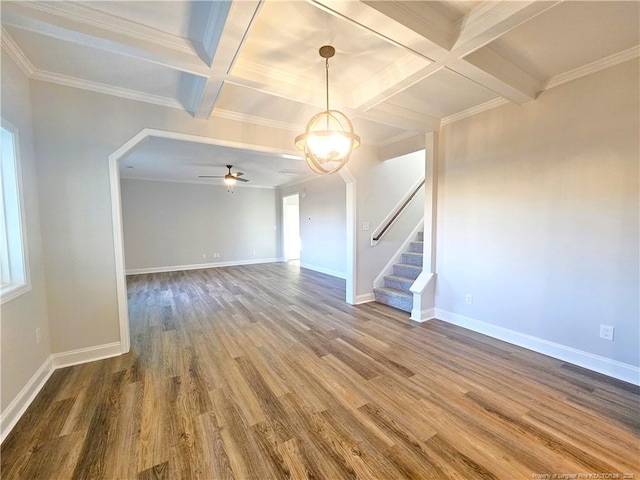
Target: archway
<point>116,217</point>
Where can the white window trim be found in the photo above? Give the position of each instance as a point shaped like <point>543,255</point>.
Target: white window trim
<point>14,290</point>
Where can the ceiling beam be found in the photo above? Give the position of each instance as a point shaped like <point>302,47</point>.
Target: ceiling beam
<point>223,40</point>
<point>421,18</point>
<point>81,25</point>
<point>491,20</point>
<point>445,44</point>
<point>399,117</point>
<point>209,19</point>
<point>375,21</point>
<point>487,68</point>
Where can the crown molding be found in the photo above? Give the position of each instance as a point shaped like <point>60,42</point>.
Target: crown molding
<point>206,182</point>
<point>106,89</point>
<point>255,70</point>
<point>470,112</point>
<point>556,80</point>
<point>265,122</point>
<point>105,21</point>
<point>593,67</point>
<point>16,53</point>
<point>306,178</point>
<point>397,138</point>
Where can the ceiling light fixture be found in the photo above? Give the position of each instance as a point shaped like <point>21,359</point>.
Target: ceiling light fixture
<point>329,138</point>
<point>230,182</point>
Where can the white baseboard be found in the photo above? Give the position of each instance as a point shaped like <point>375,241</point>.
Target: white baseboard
<point>364,298</point>
<point>597,363</point>
<point>85,355</point>
<point>200,266</point>
<point>424,315</point>
<point>326,271</point>
<point>21,402</point>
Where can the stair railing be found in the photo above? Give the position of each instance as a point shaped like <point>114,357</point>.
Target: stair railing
<point>379,232</point>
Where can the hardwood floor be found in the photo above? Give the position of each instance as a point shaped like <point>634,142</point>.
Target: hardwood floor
<point>263,372</point>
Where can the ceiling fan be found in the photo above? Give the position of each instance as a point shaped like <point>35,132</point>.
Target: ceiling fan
<point>229,178</point>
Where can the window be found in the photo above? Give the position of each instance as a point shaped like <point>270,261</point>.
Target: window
<point>13,270</point>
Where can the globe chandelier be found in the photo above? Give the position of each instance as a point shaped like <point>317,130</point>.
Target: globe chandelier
<point>329,138</point>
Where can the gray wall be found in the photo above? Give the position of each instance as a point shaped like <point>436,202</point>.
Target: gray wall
<point>182,224</point>
<point>538,215</point>
<point>381,185</point>
<point>75,132</point>
<point>323,216</point>
<point>21,356</point>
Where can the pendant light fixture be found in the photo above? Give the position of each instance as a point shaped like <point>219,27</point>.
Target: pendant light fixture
<point>329,138</point>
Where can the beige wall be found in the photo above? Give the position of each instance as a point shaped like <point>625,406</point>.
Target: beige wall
<point>20,317</point>
<point>181,224</point>
<point>323,217</point>
<point>75,132</point>
<point>381,185</point>
<point>538,215</point>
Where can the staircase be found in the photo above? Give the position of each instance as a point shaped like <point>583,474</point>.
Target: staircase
<point>395,292</point>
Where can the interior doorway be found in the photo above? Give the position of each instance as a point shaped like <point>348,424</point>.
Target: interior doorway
<point>291,227</point>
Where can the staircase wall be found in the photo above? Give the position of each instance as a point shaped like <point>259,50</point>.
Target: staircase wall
<point>380,187</point>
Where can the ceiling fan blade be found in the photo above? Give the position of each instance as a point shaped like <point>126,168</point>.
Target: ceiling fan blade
<point>237,174</point>
<point>210,176</point>
<point>242,179</point>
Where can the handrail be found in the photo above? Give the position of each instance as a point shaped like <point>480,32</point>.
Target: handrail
<point>399,211</point>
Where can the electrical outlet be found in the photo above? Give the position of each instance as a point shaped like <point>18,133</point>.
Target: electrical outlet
<point>468,299</point>
<point>204,255</point>
<point>606,332</point>
<point>253,252</point>
<point>38,335</point>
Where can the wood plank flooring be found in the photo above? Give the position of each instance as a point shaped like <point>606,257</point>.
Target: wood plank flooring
<point>264,372</point>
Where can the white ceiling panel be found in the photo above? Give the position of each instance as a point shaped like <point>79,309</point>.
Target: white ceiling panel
<point>442,94</point>
<point>171,17</point>
<point>288,57</point>
<point>255,103</point>
<point>258,106</point>
<point>463,7</point>
<point>375,133</point>
<point>95,65</point>
<point>454,11</point>
<point>178,160</point>
<point>571,35</point>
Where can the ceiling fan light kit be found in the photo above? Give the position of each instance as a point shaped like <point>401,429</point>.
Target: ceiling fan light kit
<point>329,138</point>
<point>230,179</point>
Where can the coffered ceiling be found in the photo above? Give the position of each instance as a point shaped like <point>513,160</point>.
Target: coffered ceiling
<point>401,67</point>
